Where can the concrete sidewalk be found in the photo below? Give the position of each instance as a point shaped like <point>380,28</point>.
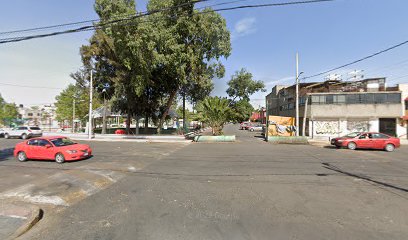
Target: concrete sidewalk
<point>17,219</point>
<point>123,138</point>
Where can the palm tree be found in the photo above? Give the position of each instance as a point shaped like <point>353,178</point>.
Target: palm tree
<point>214,111</point>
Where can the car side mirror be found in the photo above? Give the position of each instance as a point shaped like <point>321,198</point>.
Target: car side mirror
<point>48,146</point>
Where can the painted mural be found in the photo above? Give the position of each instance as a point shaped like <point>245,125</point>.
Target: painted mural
<point>326,127</point>
<point>281,126</point>
<point>357,126</point>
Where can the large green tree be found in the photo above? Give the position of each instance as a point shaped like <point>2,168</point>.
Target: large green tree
<point>189,46</point>
<point>242,85</point>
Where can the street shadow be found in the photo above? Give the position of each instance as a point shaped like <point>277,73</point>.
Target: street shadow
<point>367,178</point>
<point>5,154</point>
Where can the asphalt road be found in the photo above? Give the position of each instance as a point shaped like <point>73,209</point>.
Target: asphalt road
<point>245,190</point>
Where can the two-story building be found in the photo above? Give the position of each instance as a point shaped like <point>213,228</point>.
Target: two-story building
<point>334,108</point>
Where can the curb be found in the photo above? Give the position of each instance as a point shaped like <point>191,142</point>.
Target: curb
<point>35,216</point>
<point>132,140</point>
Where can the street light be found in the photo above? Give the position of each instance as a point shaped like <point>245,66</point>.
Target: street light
<point>297,93</point>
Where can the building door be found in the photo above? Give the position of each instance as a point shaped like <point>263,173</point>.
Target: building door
<point>388,126</point>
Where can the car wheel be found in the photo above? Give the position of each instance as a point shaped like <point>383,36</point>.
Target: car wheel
<point>24,136</point>
<point>22,157</point>
<point>352,146</point>
<point>389,147</point>
<point>59,158</point>
<point>251,129</point>
<point>6,136</point>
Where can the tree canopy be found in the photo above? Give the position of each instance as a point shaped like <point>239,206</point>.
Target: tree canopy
<point>242,86</point>
<point>149,61</point>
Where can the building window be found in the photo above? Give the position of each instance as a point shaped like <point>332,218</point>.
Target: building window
<point>318,99</point>
<point>339,99</point>
<point>30,114</point>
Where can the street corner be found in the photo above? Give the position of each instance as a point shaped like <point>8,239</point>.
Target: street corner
<point>18,218</point>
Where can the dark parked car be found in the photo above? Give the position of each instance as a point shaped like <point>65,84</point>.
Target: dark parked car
<point>367,140</point>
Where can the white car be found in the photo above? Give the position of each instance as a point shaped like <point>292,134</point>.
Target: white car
<point>2,132</point>
<point>23,132</point>
<point>254,128</point>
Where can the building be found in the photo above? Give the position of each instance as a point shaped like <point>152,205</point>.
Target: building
<point>259,116</point>
<point>43,116</point>
<point>334,108</point>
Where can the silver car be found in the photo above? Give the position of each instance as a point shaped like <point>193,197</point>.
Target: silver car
<point>23,132</point>
<point>257,128</point>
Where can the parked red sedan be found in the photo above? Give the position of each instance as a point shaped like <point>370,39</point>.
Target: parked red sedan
<point>56,148</point>
<point>368,140</point>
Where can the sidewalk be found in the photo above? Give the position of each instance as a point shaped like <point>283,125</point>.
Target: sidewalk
<point>123,138</point>
<point>16,219</point>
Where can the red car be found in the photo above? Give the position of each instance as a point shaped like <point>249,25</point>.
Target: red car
<point>367,140</point>
<point>56,148</point>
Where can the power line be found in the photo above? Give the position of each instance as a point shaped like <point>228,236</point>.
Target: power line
<point>92,27</point>
<point>27,86</point>
<point>359,60</point>
<point>80,22</point>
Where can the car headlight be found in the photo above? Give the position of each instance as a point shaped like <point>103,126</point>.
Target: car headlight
<point>340,140</point>
<point>72,151</point>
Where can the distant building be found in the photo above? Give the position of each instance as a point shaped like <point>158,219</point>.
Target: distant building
<point>259,116</point>
<point>43,116</point>
<point>335,107</point>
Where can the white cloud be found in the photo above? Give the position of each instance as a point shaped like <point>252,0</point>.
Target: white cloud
<point>281,80</point>
<point>245,27</point>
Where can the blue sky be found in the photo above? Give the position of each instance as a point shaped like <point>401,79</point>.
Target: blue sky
<point>264,41</point>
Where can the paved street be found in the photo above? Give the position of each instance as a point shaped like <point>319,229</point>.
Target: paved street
<point>244,190</point>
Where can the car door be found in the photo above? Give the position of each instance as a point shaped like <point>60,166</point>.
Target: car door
<point>31,149</point>
<point>363,141</point>
<point>379,140</point>
<point>44,151</point>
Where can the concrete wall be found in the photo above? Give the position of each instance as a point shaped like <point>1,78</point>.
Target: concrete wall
<point>356,110</point>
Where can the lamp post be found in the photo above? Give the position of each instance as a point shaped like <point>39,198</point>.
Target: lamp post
<point>90,107</point>
<point>297,93</point>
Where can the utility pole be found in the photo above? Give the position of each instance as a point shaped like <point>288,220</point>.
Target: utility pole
<point>90,107</point>
<point>297,95</point>
<point>73,115</point>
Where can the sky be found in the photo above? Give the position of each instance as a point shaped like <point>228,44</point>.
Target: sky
<point>264,41</point>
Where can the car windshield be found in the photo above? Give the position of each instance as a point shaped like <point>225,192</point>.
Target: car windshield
<point>352,135</point>
<point>60,142</point>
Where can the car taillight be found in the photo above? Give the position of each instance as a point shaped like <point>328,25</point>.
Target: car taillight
<point>29,130</point>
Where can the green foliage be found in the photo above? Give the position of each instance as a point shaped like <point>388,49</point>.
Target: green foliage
<point>65,102</point>
<point>214,111</point>
<point>149,61</point>
<point>8,112</point>
<point>242,86</point>
<point>242,110</point>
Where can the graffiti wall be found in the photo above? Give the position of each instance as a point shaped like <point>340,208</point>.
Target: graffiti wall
<point>326,127</point>
<point>358,126</point>
<point>281,126</point>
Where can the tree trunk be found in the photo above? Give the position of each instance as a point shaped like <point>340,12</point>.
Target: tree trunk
<point>146,124</point>
<point>104,117</point>
<point>128,121</point>
<point>137,125</point>
<point>163,118</point>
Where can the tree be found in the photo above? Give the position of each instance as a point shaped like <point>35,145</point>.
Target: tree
<point>8,112</point>
<point>189,46</point>
<point>65,101</point>
<point>214,111</point>
<point>242,86</point>
<point>242,110</point>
